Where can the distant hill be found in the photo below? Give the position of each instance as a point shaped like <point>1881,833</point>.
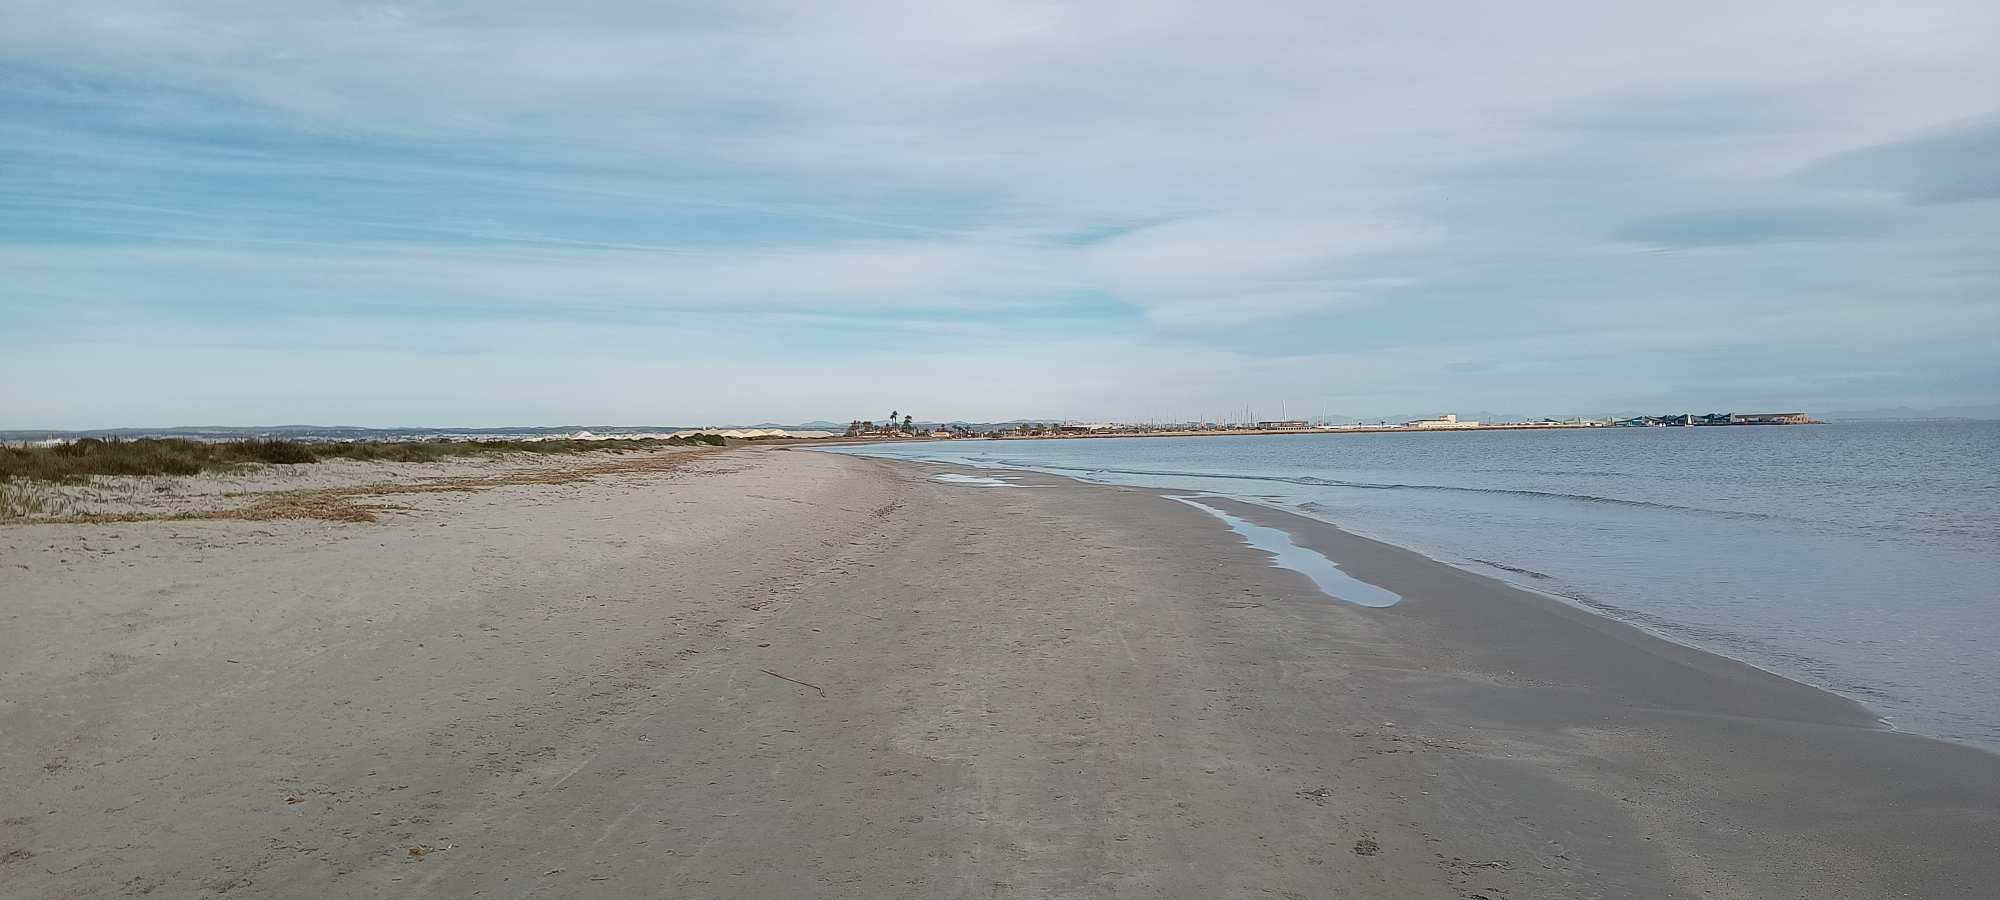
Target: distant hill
<point>1974,411</point>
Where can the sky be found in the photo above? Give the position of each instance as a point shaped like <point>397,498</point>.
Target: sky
<point>488,212</point>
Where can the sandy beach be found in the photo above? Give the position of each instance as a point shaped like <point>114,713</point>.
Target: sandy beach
<point>767,672</point>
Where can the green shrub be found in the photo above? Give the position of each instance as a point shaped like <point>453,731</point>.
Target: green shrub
<point>283,453</point>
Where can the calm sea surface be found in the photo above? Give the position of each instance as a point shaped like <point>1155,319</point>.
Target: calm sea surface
<point>1860,557</point>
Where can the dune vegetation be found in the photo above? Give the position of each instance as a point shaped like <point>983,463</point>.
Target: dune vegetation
<point>89,457</point>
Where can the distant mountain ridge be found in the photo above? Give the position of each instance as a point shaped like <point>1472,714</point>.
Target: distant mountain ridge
<point>1970,411</point>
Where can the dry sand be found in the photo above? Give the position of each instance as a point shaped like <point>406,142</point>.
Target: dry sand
<point>765,673</point>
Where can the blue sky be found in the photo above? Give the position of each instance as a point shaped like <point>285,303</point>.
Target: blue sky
<point>497,213</point>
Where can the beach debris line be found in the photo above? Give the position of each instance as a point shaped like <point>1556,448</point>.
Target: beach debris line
<point>821,690</point>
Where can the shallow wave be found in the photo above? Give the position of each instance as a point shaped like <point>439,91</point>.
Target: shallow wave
<point>1977,533</point>
<point>1312,481</point>
<point>1531,573</point>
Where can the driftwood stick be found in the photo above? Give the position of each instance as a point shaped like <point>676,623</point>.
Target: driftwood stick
<point>821,690</point>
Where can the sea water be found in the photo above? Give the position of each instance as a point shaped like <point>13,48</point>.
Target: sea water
<point>1863,558</point>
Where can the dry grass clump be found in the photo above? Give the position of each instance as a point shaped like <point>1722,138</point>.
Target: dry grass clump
<point>179,456</point>
<point>20,500</point>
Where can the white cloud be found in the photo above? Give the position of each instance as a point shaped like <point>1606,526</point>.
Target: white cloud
<point>1245,170</point>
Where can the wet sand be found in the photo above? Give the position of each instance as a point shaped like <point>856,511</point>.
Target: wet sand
<point>770,673</point>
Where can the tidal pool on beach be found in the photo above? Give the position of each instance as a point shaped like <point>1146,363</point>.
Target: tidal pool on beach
<point>975,480</point>
<point>1325,573</point>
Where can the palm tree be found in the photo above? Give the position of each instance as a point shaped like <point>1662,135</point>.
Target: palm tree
<point>907,427</point>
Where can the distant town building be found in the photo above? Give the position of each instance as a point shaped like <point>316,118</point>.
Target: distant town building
<point>1284,424</point>
<point>1448,420</point>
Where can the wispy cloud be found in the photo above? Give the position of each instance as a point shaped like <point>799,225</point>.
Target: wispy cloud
<point>1113,205</point>
<point>1953,165</point>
